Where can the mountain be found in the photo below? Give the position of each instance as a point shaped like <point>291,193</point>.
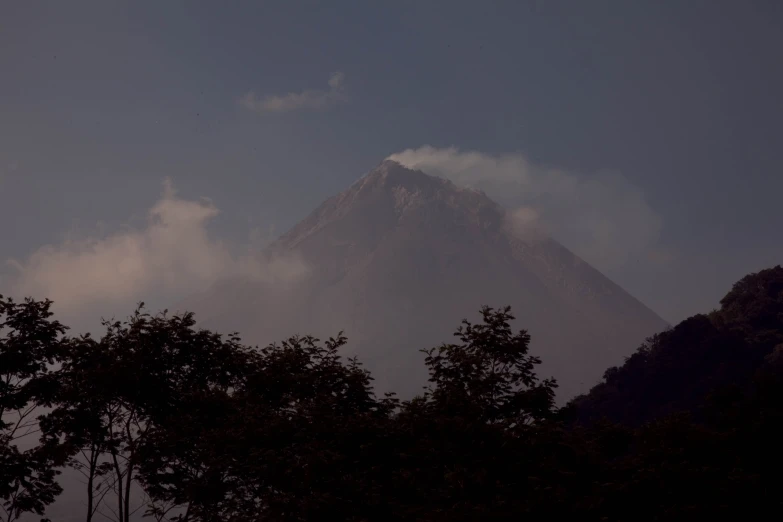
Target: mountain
<point>400,257</point>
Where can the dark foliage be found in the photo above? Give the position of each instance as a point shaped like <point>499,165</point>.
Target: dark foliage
<point>705,356</point>
<point>700,411</point>
<point>120,391</point>
<point>212,430</point>
<point>30,342</point>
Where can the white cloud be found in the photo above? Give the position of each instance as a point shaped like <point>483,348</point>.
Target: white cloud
<point>307,99</point>
<point>603,217</point>
<point>171,257</point>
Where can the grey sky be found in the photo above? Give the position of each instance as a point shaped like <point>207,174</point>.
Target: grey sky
<point>100,101</point>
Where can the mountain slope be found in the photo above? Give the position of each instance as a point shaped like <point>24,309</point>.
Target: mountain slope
<point>400,257</point>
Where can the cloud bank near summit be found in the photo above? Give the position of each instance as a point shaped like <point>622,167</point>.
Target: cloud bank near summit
<point>603,217</point>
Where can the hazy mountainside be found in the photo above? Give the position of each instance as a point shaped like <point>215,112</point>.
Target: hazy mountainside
<point>399,254</point>
<point>705,362</point>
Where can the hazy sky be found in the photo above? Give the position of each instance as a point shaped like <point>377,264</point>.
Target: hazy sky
<point>647,135</point>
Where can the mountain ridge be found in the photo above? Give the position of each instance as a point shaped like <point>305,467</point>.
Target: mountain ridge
<point>387,173</point>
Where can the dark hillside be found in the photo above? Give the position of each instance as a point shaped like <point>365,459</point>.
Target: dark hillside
<point>689,367</point>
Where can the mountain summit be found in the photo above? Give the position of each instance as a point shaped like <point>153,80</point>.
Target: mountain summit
<point>400,257</point>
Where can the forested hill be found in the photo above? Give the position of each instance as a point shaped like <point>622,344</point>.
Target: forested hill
<point>700,363</point>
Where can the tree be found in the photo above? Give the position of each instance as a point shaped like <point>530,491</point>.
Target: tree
<point>303,437</point>
<point>117,391</point>
<point>30,345</point>
<point>208,429</point>
<point>286,444</point>
<point>490,376</point>
<point>463,449</point>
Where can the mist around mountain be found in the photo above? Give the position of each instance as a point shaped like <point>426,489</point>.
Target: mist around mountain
<point>397,256</point>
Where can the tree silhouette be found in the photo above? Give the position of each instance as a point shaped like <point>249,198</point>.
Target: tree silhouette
<point>276,444</point>
<point>489,377</point>
<point>203,428</point>
<point>29,346</point>
<point>116,391</point>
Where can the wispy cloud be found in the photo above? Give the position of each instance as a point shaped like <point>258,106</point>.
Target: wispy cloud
<point>292,101</point>
<point>173,256</point>
<point>603,217</point>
